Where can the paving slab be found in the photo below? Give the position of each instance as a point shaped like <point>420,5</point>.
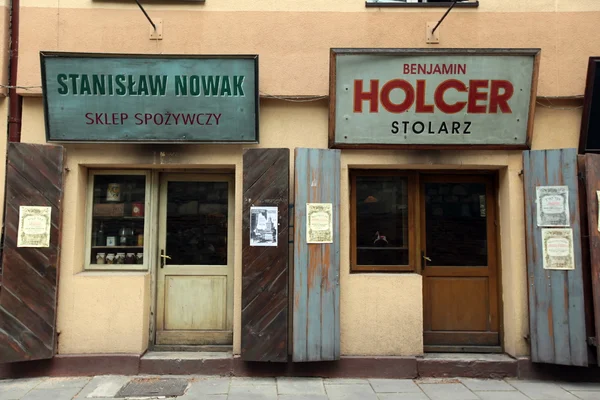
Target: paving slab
<point>242,381</point>
<point>448,391</point>
<point>579,386</point>
<point>300,386</point>
<point>202,397</point>
<point>537,390</point>
<point>345,381</point>
<point>106,386</point>
<point>402,396</point>
<point>587,395</point>
<point>253,392</point>
<point>303,397</point>
<point>65,393</point>
<point>502,395</point>
<point>14,389</point>
<point>394,386</point>
<point>486,385</point>
<point>210,386</point>
<point>352,391</point>
<point>57,383</point>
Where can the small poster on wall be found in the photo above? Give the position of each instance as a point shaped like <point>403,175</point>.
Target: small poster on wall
<point>263,226</point>
<point>557,246</point>
<point>319,223</point>
<point>552,205</point>
<point>34,226</point>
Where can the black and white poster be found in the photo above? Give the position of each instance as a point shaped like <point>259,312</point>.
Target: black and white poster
<point>552,206</point>
<point>263,226</point>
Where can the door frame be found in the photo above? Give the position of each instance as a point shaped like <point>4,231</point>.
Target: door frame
<point>490,178</point>
<point>154,249</point>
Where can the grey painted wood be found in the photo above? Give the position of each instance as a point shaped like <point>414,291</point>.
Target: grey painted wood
<point>316,316</point>
<point>556,306</point>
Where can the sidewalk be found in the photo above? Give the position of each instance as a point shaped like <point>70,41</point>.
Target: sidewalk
<point>224,388</point>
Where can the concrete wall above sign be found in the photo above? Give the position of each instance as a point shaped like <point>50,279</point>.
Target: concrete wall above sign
<point>145,98</point>
<point>447,98</point>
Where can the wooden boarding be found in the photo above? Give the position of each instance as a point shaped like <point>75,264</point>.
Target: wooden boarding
<point>265,269</point>
<point>316,318</point>
<point>29,291</point>
<point>592,182</point>
<point>556,299</point>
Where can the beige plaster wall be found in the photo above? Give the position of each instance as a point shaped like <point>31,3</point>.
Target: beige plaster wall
<point>318,6</point>
<point>294,45</point>
<point>381,314</point>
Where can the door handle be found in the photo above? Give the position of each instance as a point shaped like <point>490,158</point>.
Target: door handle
<point>425,259</point>
<point>163,257</point>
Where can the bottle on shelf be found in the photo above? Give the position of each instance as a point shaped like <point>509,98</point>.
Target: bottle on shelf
<point>123,236</point>
<point>100,241</point>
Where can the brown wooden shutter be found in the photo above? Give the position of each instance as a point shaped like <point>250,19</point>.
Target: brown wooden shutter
<point>592,184</point>
<point>265,269</point>
<point>316,322</point>
<point>29,289</point>
<point>556,303</point>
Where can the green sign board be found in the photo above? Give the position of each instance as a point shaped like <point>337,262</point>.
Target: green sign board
<point>146,98</point>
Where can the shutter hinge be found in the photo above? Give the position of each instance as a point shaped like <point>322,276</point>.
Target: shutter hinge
<point>592,341</point>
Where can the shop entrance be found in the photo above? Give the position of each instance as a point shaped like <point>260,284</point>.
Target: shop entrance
<point>195,266</point>
<point>459,266</point>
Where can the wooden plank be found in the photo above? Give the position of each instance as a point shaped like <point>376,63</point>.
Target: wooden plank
<point>316,317</point>
<point>556,305</point>
<point>586,268</point>
<point>30,275</point>
<point>265,269</point>
<point>592,182</point>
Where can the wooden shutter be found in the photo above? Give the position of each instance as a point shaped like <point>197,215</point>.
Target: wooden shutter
<point>265,269</point>
<point>316,300</point>
<point>592,184</point>
<point>556,303</point>
<point>28,294</point>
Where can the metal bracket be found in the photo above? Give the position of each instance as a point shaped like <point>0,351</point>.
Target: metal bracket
<point>157,33</point>
<point>432,37</point>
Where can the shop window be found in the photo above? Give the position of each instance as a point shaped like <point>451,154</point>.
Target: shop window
<point>117,226</point>
<point>421,3</point>
<point>383,221</point>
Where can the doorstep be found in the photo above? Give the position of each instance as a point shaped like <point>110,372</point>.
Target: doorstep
<point>441,365</point>
<point>433,365</point>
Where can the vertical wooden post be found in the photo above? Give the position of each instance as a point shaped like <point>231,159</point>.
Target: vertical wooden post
<point>316,321</point>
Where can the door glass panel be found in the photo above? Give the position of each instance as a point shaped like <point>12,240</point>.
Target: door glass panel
<point>455,223</point>
<point>382,220</point>
<point>197,223</point>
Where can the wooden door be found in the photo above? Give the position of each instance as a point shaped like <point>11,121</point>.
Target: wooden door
<point>195,268</point>
<point>458,242</point>
<point>29,287</point>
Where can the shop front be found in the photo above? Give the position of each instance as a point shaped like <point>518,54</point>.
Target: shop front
<point>376,227</point>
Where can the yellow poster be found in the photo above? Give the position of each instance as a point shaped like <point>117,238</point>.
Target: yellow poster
<point>34,226</point>
<point>319,223</point>
<point>557,248</point>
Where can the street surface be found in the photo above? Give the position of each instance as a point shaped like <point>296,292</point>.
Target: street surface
<point>225,388</point>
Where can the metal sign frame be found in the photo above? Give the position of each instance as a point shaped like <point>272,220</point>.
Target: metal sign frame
<point>44,55</point>
<point>334,52</point>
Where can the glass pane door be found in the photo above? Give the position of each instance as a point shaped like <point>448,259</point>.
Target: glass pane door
<point>197,223</point>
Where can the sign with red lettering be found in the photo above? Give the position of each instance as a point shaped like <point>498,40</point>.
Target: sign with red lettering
<point>450,98</point>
